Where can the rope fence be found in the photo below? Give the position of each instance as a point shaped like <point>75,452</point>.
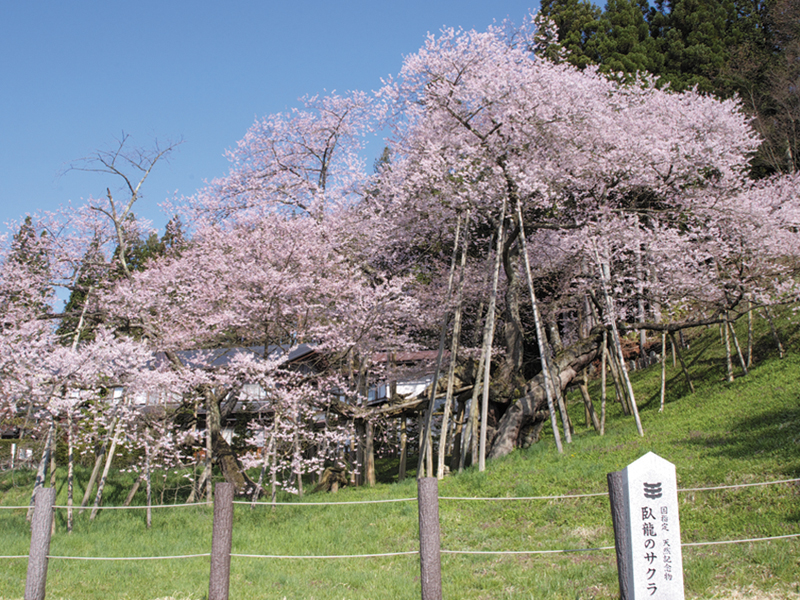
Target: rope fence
<point>425,504</point>
<point>393,500</point>
<point>404,553</point>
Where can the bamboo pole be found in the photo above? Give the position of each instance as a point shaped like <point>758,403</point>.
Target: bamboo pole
<point>425,463</point>
<point>604,276</point>
<point>677,350</point>
<point>454,344</point>
<point>487,340</point>
<point>549,386</point>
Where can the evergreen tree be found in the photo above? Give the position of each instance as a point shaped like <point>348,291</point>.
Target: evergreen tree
<point>26,271</point>
<point>622,42</point>
<point>95,273</point>
<point>576,21</point>
<point>79,318</point>
<point>695,38</point>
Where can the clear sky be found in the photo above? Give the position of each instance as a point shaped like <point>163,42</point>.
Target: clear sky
<point>74,75</point>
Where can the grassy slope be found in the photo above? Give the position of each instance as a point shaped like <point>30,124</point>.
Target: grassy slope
<point>725,433</point>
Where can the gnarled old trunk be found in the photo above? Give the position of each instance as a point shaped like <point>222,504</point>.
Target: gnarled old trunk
<point>567,365</point>
<point>223,454</point>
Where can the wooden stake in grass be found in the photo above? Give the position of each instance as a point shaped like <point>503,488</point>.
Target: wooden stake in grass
<point>98,461</point>
<point>40,544</point>
<point>611,316</point>
<point>736,345</point>
<point>676,349</point>
<point>728,361</point>
<point>429,542</point>
<point>221,540</point>
<point>603,392</point>
<point>774,332</point>
<point>587,401</point>
<point>104,477</point>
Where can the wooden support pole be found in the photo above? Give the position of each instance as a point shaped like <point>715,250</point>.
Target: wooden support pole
<point>430,563</point>
<point>619,518</point>
<point>221,537</point>
<point>40,543</point>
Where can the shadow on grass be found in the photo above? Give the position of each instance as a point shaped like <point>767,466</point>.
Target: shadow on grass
<point>774,434</point>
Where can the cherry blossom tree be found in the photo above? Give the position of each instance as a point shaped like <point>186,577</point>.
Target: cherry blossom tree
<point>567,206</point>
<point>603,173</point>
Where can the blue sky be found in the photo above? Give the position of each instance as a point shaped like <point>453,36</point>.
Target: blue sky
<point>74,75</point>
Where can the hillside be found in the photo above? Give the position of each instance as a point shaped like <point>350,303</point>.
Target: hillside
<point>724,434</point>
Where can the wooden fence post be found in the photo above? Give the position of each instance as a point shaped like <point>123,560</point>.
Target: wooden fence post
<point>429,543</point>
<point>40,543</point>
<point>619,519</point>
<point>222,534</point>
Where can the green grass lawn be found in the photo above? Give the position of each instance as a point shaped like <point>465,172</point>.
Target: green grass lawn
<point>725,433</point>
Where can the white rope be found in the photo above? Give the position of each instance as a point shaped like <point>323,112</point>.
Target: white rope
<point>525,551</point>
<point>703,489</point>
<point>561,497</point>
<point>740,485</point>
<point>407,553</point>
<point>130,557</point>
<point>324,503</point>
<point>763,539</point>
<point>525,497</point>
<point>302,556</point>
<point>137,507</point>
<point>19,556</point>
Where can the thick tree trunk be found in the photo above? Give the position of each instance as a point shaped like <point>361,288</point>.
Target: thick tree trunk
<point>227,460</point>
<point>568,364</point>
<point>512,325</point>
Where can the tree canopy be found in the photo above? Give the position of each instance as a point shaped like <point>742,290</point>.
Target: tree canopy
<point>508,175</point>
